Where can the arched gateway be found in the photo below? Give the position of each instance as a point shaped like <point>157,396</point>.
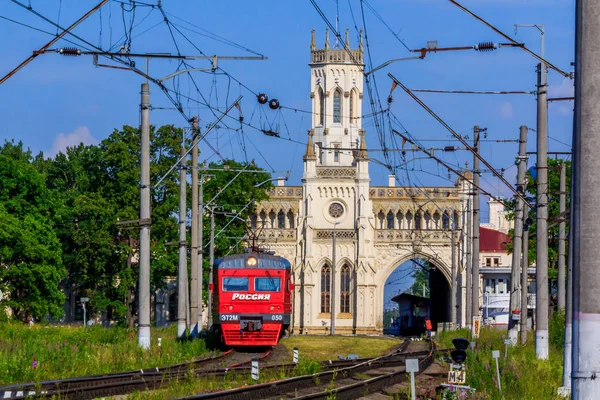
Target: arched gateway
<point>375,228</point>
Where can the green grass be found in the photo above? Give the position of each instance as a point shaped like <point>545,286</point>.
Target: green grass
<point>322,348</point>
<point>64,352</point>
<point>522,375</point>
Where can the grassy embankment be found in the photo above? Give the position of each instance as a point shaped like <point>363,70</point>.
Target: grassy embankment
<point>49,352</point>
<point>522,375</point>
<point>33,354</point>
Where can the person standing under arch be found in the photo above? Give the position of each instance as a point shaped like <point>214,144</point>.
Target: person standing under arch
<point>428,328</point>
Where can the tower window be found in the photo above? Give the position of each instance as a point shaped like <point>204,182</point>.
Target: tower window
<point>337,106</point>
<point>321,106</point>
<point>351,106</point>
<point>336,153</point>
<point>325,289</point>
<point>281,220</point>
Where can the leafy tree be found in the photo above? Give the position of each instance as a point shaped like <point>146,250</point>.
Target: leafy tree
<point>237,198</point>
<point>421,276</point>
<point>30,255</point>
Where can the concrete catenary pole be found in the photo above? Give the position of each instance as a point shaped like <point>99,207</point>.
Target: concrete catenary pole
<point>475,255</point>
<point>453,286</point>
<point>541,235</point>
<point>562,238</point>
<point>195,295</point>
<point>333,261</point>
<point>211,261</point>
<point>586,208</point>
<point>200,250</point>
<point>144,274</point>
<point>524,275</point>
<point>518,230</point>
<point>469,288</point>
<point>182,271</point>
<point>567,354</point>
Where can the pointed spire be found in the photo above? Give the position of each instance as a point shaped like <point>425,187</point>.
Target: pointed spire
<point>362,153</point>
<point>347,39</point>
<point>327,39</point>
<point>313,44</point>
<point>360,43</point>
<point>310,148</point>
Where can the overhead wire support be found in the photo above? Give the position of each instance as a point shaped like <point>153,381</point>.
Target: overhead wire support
<point>482,46</point>
<point>457,136</point>
<point>471,91</point>
<point>51,42</point>
<point>498,31</point>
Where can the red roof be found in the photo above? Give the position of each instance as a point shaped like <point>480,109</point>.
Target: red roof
<point>491,240</point>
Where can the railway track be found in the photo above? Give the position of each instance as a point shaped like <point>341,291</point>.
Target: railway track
<point>90,387</point>
<point>341,380</point>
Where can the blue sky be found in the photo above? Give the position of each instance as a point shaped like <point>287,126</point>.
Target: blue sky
<point>57,101</point>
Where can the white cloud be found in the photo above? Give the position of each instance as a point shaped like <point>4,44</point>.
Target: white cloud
<point>565,89</point>
<point>80,135</point>
<point>506,110</point>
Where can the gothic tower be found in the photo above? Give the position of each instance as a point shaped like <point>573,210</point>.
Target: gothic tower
<point>336,289</point>
<point>336,83</point>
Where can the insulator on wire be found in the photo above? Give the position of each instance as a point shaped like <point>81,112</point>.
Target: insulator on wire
<point>485,46</point>
<point>262,98</point>
<point>274,104</point>
<point>390,99</point>
<point>449,148</point>
<point>69,51</point>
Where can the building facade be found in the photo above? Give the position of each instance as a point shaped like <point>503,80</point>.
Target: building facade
<point>375,228</point>
<point>495,265</point>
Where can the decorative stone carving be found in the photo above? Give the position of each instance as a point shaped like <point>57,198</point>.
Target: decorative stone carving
<point>333,172</point>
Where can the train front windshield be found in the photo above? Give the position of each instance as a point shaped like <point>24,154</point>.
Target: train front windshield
<point>267,284</point>
<point>231,284</point>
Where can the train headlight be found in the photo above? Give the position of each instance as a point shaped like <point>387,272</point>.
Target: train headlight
<point>272,308</point>
<point>230,308</point>
<point>251,262</point>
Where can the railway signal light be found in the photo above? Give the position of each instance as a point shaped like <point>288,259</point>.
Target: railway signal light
<point>460,354</point>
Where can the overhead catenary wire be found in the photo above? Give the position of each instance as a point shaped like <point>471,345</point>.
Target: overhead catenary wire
<point>460,139</point>
<point>498,31</point>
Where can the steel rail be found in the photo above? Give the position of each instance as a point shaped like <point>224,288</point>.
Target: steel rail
<point>277,388</point>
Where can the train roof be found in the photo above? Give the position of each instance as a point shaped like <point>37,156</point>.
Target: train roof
<point>267,261</point>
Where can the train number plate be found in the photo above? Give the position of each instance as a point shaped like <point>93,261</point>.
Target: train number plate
<point>230,317</point>
<point>274,317</point>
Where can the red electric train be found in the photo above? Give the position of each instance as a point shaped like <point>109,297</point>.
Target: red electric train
<point>252,298</point>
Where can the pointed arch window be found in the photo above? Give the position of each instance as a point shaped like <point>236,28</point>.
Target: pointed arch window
<point>445,221</point>
<point>281,219</point>
<point>337,106</point>
<point>345,289</point>
<point>326,289</point>
<point>321,107</point>
<point>390,220</point>
<point>418,221</point>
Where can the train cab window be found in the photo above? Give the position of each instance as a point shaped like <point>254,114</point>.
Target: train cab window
<point>235,284</point>
<point>267,284</point>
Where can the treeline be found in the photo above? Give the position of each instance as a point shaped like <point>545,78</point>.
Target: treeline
<point>59,235</point>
